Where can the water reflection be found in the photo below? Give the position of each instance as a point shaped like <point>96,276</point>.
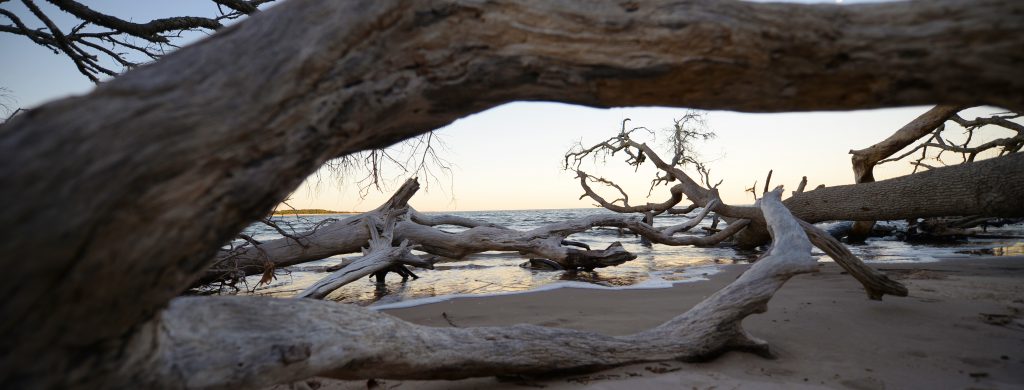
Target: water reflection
<point>1014,249</point>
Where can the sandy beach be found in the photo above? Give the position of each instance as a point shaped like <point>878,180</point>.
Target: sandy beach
<point>961,327</point>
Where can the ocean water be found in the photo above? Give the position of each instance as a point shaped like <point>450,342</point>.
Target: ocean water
<point>656,266</point>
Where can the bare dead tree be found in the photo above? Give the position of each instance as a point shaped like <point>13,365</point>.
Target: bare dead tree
<point>931,134</point>
<point>142,158</point>
<point>875,283</point>
<point>349,235</point>
<point>692,126</point>
<point>973,130</point>
<point>345,341</point>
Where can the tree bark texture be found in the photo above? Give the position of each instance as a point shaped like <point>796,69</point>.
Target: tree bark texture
<point>278,340</point>
<point>864,160</point>
<point>149,173</point>
<point>990,187</point>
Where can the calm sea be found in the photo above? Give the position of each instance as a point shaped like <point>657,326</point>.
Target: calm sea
<point>500,272</point>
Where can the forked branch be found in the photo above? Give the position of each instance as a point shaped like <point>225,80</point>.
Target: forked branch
<point>377,259</point>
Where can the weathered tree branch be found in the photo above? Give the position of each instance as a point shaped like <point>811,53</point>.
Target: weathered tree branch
<point>150,30</point>
<point>349,235</point>
<point>340,237</point>
<point>800,188</point>
<point>279,340</point>
<point>980,188</point>
<point>377,258</point>
<point>864,160</point>
<point>690,223</point>
<point>544,242</point>
<point>675,191</point>
<point>448,219</point>
<point>102,35</point>
<point>548,242</point>
<point>680,211</point>
<point>874,283</point>
<point>143,157</point>
<point>990,187</point>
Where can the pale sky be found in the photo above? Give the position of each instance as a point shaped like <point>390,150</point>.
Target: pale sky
<point>510,157</point>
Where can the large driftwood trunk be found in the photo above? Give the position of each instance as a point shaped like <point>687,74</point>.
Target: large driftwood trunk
<point>875,284</point>
<point>378,257</point>
<point>547,242</point>
<point>987,188</point>
<point>864,160</point>
<point>349,235</point>
<point>990,187</point>
<point>122,196</point>
<point>279,340</point>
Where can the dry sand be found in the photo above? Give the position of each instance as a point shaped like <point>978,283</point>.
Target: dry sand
<point>962,327</point>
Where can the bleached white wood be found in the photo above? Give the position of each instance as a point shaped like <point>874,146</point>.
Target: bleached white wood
<point>274,340</point>
<point>223,130</point>
<point>690,223</point>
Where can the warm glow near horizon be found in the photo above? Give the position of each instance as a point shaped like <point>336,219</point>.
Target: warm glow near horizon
<point>509,157</point>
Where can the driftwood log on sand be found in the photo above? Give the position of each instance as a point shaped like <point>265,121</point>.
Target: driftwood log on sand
<point>277,340</point>
<point>221,131</point>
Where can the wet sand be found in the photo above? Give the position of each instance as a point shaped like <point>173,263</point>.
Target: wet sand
<point>961,327</point>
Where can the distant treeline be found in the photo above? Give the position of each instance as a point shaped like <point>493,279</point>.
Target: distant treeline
<point>310,211</point>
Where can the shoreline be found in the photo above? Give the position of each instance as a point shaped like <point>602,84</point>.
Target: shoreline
<point>962,326</point>
<point>696,274</point>
<point>317,214</point>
